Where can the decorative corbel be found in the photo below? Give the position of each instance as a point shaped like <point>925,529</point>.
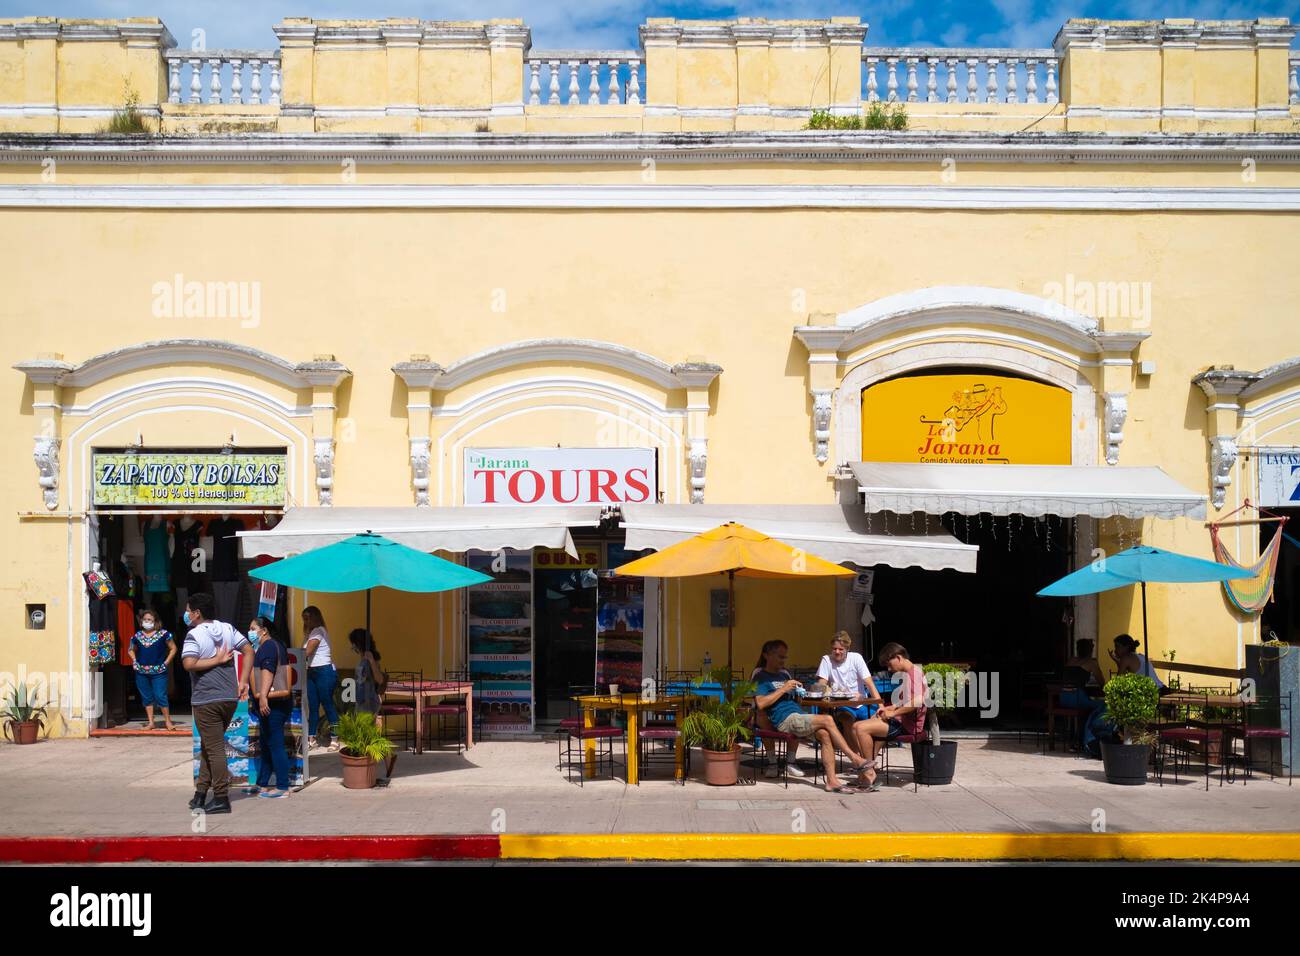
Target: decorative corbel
<point>420,470</point>
<point>323,456</point>
<point>1118,350</point>
<point>1223,387</point>
<point>46,374</point>
<point>1116,414</point>
<point>421,377</point>
<point>323,375</point>
<point>822,405</point>
<point>696,378</point>
<point>822,339</point>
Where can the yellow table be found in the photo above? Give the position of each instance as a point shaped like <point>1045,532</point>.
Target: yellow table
<point>632,705</point>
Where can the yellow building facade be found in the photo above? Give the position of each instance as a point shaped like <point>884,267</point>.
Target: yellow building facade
<point>393,252</point>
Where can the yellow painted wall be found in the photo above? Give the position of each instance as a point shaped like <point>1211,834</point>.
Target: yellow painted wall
<point>373,287</point>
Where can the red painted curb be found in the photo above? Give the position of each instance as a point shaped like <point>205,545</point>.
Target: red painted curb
<point>243,849</point>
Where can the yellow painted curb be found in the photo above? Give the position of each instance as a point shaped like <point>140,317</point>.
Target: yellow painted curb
<point>902,846</point>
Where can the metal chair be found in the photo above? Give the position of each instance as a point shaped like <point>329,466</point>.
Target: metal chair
<point>1249,732</point>
<point>389,712</point>
<point>1073,716</point>
<point>1184,737</point>
<point>602,738</point>
<point>463,676</point>
<point>572,722</point>
<point>657,738</point>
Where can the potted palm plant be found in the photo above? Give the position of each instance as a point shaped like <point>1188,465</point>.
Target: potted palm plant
<point>1131,705</point>
<point>935,759</point>
<point>716,724</point>
<point>362,746</point>
<point>23,715</point>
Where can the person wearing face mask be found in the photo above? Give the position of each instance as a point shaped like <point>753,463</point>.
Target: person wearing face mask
<point>209,655</point>
<point>274,705</point>
<point>152,652</point>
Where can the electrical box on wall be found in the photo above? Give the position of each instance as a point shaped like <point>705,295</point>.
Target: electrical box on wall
<point>36,617</point>
<point>718,607</point>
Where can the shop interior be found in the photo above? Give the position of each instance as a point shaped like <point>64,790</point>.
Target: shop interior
<point>990,621</point>
<point>1280,618</point>
<point>156,560</point>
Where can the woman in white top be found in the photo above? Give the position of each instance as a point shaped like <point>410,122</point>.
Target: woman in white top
<point>1129,661</point>
<point>321,676</point>
<point>844,669</point>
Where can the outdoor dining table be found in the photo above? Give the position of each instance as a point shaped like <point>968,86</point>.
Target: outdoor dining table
<point>632,705</point>
<point>830,703</point>
<point>432,690</point>
<point>1182,698</point>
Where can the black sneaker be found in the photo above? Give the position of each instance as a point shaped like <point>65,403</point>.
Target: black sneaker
<point>198,800</point>
<point>219,805</point>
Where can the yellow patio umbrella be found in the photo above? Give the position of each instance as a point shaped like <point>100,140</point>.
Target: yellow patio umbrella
<point>732,549</point>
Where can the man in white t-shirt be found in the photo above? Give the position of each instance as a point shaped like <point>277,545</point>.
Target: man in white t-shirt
<point>844,669</point>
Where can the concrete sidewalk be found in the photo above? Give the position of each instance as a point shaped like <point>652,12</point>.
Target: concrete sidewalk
<point>140,786</point>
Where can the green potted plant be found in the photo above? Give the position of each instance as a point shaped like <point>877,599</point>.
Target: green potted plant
<point>362,746</point>
<point>935,759</point>
<point>23,715</point>
<point>1131,705</point>
<point>716,724</point>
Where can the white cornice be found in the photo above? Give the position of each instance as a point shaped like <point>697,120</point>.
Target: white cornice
<point>172,352</point>
<point>582,351</point>
<point>809,146</point>
<point>942,307</point>
<point>549,196</point>
<point>1283,373</point>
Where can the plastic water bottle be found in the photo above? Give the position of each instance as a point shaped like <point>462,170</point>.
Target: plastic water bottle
<point>708,663</point>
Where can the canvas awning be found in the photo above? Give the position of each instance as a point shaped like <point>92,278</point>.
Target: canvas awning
<point>1065,490</point>
<point>484,528</point>
<point>833,532</point>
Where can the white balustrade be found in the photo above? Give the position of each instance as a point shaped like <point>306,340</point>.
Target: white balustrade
<point>608,76</point>
<point>243,65</point>
<point>1294,83</point>
<point>970,76</point>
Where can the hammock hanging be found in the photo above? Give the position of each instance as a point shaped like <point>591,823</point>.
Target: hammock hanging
<point>1250,595</point>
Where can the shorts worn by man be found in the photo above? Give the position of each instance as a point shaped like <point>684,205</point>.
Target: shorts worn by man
<point>209,655</point>
<point>777,697</point>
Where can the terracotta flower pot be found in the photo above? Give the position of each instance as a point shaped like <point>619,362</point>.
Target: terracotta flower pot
<point>24,732</point>
<point>358,772</point>
<point>722,767</point>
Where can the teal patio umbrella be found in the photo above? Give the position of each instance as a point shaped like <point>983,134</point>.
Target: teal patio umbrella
<point>367,561</point>
<point>1138,566</point>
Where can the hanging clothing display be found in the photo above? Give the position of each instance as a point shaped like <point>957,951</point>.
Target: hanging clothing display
<point>102,646</point>
<point>184,577</point>
<point>157,560</point>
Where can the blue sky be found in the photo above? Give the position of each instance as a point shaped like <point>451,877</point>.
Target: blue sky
<point>611,24</point>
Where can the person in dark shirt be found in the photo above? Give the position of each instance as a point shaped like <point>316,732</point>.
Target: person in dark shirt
<point>274,705</point>
<point>152,652</point>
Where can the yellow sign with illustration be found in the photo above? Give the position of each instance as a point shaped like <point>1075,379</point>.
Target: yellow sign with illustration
<point>966,418</point>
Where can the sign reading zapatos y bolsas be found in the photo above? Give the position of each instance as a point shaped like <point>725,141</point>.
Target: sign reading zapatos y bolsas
<point>197,479</point>
<point>559,476</point>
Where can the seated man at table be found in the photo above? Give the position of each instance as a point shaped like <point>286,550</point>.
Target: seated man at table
<point>905,714</point>
<point>777,697</point>
<point>844,669</point>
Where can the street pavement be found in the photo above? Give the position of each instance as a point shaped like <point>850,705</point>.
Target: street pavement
<point>140,786</point>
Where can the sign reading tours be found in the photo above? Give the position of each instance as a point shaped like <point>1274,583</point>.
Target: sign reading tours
<point>189,478</point>
<point>1279,479</point>
<point>974,418</point>
<point>560,476</point>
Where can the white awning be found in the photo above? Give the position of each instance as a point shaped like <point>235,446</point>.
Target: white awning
<point>482,528</point>
<point>832,532</point>
<point>1064,490</point>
